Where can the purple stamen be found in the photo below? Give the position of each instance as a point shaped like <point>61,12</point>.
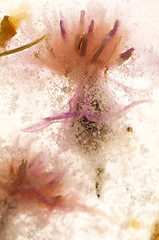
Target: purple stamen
<point>125,55</point>
<point>83,45</point>
<point>104,42</point>
<point>91,27</point>
<point>98,52</point>
<point>63,31</point>
<point>115,27</point>
<point>82,16</point>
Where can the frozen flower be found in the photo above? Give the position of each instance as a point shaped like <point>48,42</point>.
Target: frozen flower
<point>85,47</point>
<point>81,53</point>
<point>25,181</point>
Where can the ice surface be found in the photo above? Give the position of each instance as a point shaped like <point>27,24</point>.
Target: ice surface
<point>125,168</point>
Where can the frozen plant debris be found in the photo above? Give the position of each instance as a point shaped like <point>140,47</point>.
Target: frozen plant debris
<point>8,29</point>
<point>130,129</point>
<point>26,181</point>
<point>155,234</point>
<point>88,115</point>
<point>99,181</point>
<point>9,26</point>
<point>125,55</point>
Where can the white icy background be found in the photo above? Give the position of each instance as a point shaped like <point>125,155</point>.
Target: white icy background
<point>131,181</point>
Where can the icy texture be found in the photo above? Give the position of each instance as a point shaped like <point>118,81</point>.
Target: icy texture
<point>129,190</point>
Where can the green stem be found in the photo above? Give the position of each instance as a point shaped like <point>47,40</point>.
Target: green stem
<point>19,49</point>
